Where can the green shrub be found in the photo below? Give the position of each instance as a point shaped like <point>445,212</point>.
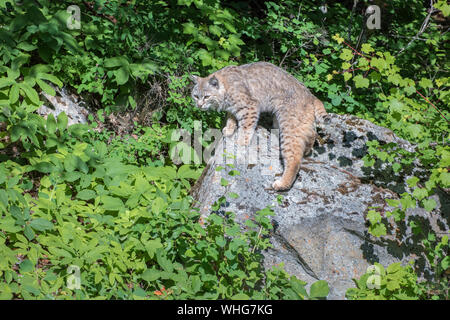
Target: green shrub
<point>118,208</point>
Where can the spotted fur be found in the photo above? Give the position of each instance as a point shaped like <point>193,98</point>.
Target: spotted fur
<point>247,90</point>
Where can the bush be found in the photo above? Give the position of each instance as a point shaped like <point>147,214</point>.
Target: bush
<point>115,206</point>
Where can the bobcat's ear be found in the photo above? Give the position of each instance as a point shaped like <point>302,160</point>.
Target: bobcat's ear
<point>194,78</point>
<point>214,82</point>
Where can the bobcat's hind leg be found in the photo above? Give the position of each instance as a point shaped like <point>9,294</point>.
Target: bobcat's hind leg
<point>297,137</point>
<point>291,168</point>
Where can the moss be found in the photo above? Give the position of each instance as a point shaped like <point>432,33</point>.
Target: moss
<point>344,161</point>
<point>320,149</point>
<point>349,137</point>
<point>359,152</point>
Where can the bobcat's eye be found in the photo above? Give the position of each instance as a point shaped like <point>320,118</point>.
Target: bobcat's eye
<point>196,97</point>
<point>206,96</point>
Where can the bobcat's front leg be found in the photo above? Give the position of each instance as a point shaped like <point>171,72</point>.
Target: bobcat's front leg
<point>247,126</point>
<point>230,127</point>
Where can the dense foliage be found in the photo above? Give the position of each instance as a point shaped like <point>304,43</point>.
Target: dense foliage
<point>114,205</point>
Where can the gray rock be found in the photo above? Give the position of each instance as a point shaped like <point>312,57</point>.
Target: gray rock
<point>64,102</point>
<point>320,229</point>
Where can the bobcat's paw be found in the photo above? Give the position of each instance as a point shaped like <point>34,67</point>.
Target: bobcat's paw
<point>228,132</point>
<point>278,185</point>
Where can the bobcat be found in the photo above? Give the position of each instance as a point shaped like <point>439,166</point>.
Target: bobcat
<point>247,90</point>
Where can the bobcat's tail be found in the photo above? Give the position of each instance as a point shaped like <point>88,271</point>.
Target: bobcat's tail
<point>319,111</point>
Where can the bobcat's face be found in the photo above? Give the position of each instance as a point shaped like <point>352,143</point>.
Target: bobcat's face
<point>208,93</point>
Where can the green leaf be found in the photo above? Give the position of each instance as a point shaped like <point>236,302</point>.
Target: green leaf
<point>51,124</point>
<point>132,102</point>
<point>26,266</point>
<point>240,296</point>
<point>347,76</point>
<point>45,87</point>
<point>86,194</point>
<point>25,46</point>
<point>62,121</point>
<point>151,275</point>
<point>346,54</point>
<point>396,105</point>
<point>189,28</point>
<point>185,172</point>
<point>373,216</point>
<point>378,230</point>
<point>396,167</point>
<point>429,204</point>
<point>158,205</point>
<point>420,193</point>
<point>41,224</point>
<point>30,93</point>
<point>116,62</point>
<point>152,246</point>
<point>234,173</point>
<point>162,260</point>
<point>367,48</point>
<point>70,43</point>
<point>426,83</point>
<point>445,263</point>
<point>112,203</point>
<point>51,78</point>
<point>378,63</point>
<point>412,182</point>
<point>220,241</point>
<point>445,178</point>
<point>214,30</point>
<point>196,283</point>
<point>14,93</point>
<point>361,82</point>
<point>3,197</point>
<point>410,90</point>
<point>393,285</point>
<point>205,57</point>
<point>407,201</point>
<point>122,76</point>
<point>392,202</point>
<point>319,289</point>
<point>299,287</point>
<point>5,292</point>
<point>44,167</point>
<point>444,7</point>
<point>28,232</point>
<point>394,267</point>
<point>336,101</point>
<point>233,195</point>
<point>73,162</point>
<point>6,82</point>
